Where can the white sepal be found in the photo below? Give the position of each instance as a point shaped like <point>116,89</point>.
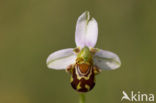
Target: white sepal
<point>106,60</point>
<point>61,59</point>
<point>86,31</point>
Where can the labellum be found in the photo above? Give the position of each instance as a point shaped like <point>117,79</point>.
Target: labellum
<point>83,72</point>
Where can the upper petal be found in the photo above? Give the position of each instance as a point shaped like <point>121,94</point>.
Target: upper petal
<point>106,60</point>
<point>61,59</point>
<point>86,31</point>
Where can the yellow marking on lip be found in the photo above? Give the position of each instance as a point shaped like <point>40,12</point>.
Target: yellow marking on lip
<point>71,79</point>
<point>87,87</point>
<point>86,78</point>
<point>78,86</point>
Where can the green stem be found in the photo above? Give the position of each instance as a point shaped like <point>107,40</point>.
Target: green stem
<point>82,98</point>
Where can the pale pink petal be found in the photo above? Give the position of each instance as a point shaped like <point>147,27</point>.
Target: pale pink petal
<point>106,60</point>
<point>61,59</point>
<point>86,31</point>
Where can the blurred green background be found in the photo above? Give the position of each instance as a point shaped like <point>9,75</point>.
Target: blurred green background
<point>32,29</point>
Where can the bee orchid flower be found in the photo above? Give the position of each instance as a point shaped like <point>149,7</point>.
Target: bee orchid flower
<point>84,61</point>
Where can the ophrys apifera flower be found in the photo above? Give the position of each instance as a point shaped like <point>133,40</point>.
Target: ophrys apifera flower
<point>84,61</point>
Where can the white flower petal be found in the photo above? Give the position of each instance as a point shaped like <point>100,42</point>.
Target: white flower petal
<point>61,59</point>
<point>106,60</point>
<point>86,31</point>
